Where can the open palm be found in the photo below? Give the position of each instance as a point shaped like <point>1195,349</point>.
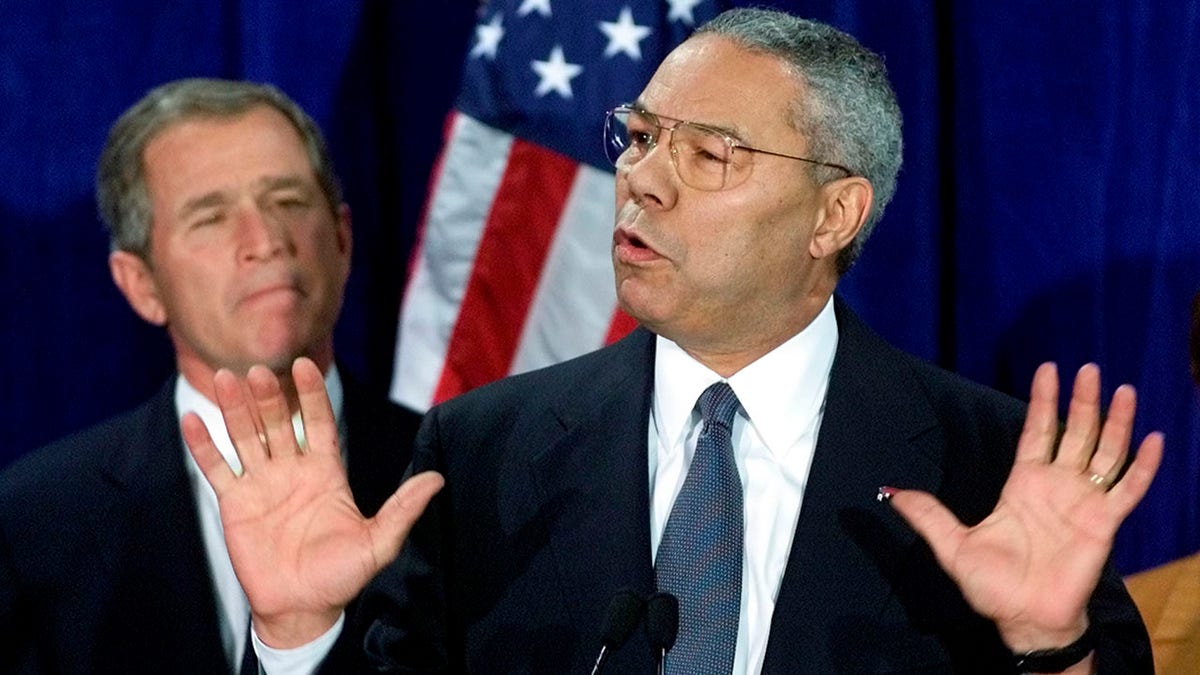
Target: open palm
<point>1032,564</point>
<point>299,545</point>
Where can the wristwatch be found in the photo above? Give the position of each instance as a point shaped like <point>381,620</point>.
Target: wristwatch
<point>1057,659</point>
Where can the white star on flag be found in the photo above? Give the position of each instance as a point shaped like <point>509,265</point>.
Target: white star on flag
<point>681,10</point>
<point>540,6</point>
<point>555,74</point>
<point>624,35</point>
<point>489,35</point>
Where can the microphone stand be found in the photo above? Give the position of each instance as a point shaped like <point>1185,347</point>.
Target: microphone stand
<point>662,625</point>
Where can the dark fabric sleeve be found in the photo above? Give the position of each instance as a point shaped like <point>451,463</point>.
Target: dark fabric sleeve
<point>1122,643</point>
<point>403,613</point>
<point>17,649</point>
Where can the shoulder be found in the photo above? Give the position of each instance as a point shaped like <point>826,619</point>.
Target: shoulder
<point>76,471</point>
<point>52,497</point>
<point>874,367</point>
<point>61,465</point>
<point>963,432</point>
<point>563,386</point>
<point>517,418</point>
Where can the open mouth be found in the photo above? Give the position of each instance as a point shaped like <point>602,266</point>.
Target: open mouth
<point>623,238</point>
<point>628,247</point>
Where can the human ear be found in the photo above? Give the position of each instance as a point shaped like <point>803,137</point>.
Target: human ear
<point>345,238</point>
<point>847,204</point>
<point>136,281</point>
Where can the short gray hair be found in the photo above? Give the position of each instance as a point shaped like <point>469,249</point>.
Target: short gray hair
<point>121,192</point>
<point>848,112</point>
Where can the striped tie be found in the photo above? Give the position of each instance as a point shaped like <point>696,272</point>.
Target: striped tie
<point>700,557</point>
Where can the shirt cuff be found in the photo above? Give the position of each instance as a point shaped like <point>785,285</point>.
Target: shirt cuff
<point>302,660</point>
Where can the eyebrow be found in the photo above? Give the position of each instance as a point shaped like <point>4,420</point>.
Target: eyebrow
<point>270,183</point>
<point>732,132</point>
<point>204,201</point>
<point>218,198</point>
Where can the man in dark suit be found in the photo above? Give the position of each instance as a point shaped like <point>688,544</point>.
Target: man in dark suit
<point>735,451</point>
<point>228,229</point>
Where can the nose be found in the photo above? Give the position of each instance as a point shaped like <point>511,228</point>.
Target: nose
<point>652,180</point>
<point>261,235</point>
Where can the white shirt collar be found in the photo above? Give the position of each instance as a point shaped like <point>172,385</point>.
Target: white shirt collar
<point>784,385</point>
<point>189,399</point>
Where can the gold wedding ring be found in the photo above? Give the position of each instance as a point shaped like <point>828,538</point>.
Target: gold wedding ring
<point>1098,480</point>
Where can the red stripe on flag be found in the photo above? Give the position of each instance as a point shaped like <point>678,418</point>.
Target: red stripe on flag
<point>515,242</point>
<point>621,325</point>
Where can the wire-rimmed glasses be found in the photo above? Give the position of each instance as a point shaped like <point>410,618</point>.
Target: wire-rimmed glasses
<point>705,157</point>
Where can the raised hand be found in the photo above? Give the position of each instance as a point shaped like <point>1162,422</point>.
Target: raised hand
<point>1033,563</point>
<point>299,545</point>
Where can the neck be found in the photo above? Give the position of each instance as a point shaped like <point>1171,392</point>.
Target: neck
<point>200,374</point>
<point>726,355</point>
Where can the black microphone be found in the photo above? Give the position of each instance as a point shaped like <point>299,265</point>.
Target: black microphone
<point>624,613</point>
<point>662,625</point>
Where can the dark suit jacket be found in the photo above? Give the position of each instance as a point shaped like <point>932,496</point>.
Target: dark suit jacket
<point>545,515</point>
<point>102,565</point>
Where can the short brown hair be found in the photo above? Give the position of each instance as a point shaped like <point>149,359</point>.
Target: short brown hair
<point>121,193</point>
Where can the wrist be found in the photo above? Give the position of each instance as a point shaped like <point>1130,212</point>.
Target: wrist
<point>1055,659</point>
<point>287,631</point>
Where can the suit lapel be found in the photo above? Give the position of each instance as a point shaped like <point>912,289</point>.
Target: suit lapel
<point>151,537</point>
<point>877,429</point>
<point>596,479</point>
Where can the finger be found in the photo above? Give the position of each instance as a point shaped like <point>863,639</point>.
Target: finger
<point>214,467</point>
<point>273,410</point>
<point>1083,420</point>
<point>1041,418</point>
<point>395,519</point>
<point>241,420</point>
<point>320,427</point>
<point>1133,485</point>
<point>1115,438</point>
<point>934,522</point>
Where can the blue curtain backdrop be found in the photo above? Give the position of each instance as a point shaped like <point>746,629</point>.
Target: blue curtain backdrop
<point>1046,209</point>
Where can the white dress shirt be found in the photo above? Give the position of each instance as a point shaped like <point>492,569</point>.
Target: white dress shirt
<point>233,611</point>
<point>774,435</point>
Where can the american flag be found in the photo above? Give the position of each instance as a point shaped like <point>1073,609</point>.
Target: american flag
<point>513,271</point>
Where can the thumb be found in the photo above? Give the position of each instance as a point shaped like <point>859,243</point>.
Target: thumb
<point>390,527</point>
<point>933,521</point>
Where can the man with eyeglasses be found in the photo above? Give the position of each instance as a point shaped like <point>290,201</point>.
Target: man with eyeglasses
<point>734,452</point>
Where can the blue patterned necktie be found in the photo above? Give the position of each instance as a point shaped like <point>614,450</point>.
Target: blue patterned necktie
<point>700,557</point>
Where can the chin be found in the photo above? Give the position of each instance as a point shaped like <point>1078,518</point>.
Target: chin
<point>641,302</point>
<point>278,357</point>
<point>278,344</point>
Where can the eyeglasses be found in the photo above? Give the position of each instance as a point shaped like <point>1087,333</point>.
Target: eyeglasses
<point>704,157</point>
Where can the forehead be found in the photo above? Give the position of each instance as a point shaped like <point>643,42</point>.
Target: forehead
<point>202,153</point>
<point>714,80</point>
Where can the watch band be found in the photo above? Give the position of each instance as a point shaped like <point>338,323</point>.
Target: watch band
<point>1057,659</point>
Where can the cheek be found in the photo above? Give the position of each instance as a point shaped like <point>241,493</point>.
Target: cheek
<point>623,194</point>
<point>199,285</point>
<point>334,266</point>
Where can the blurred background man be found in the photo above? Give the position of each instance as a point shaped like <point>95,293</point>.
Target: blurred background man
<point>229,231</point>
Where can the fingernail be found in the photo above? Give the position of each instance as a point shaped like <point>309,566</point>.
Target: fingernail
<point>885,493</point>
